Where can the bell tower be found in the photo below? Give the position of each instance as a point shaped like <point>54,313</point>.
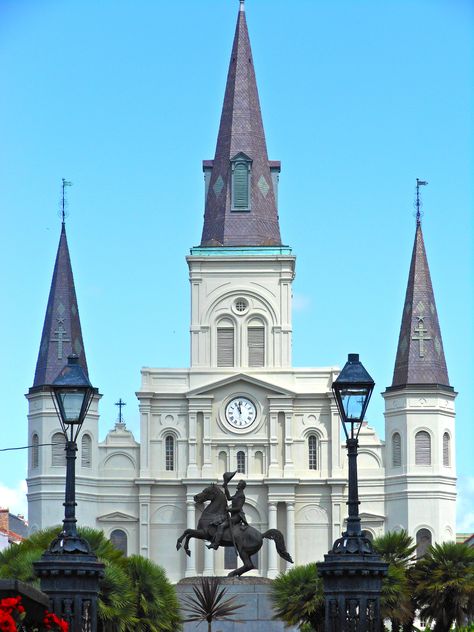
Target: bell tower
<point>241,274</point>
<point>420,483</point>
<point>62,336</point>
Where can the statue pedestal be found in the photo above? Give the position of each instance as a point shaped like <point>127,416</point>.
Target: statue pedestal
<point>256,614</point>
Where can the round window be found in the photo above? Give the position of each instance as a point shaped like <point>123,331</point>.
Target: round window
<point>241,305</point>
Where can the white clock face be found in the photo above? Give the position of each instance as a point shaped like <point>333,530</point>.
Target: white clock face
<point>240,412</point>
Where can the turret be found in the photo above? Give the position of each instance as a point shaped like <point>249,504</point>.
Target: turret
<point>419,417</point>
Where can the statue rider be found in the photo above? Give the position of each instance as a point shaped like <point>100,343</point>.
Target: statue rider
<point>235,514</point>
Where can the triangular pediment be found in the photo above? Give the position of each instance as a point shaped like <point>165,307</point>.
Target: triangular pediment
<point>117,516</point>
<point>241,156</point>
<point>371,517</point>
<point>273,389</point>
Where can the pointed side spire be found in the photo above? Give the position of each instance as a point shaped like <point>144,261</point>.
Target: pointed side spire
<point>242,137</point>
<point>420,354</point>
<point>62,328</point>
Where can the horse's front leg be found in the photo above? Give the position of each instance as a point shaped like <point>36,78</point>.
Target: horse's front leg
<point>192,533</point>
<point>181,538</point>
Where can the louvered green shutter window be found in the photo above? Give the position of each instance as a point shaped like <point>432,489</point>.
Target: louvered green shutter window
<point>256,340</point>
<point>225,346</point>
<point>86,451</point>
<point>230,557</point>
<point>240,186</point>
<point>169,453</point>
<point>35,451</point>
<point>119,540</point>
<point>446,450</point>
<point>241,462</point>
<point>396,450</point>
<point>422,448</point>
<point>58,455</point>
<point>313,452</point>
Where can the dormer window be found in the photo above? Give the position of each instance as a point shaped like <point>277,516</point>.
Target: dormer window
<point>241,170</point>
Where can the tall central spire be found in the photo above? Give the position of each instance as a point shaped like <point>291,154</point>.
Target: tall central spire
<point>241,202</point>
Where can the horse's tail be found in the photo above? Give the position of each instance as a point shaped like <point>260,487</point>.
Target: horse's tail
<point>277,537</point>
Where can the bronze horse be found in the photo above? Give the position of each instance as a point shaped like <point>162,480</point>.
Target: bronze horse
<point>247,541</point>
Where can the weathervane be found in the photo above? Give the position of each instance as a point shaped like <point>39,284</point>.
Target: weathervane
<point>418,203</point>
<point>65,184</point>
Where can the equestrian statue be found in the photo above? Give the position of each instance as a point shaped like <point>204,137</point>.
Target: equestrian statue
<point>223,523</point>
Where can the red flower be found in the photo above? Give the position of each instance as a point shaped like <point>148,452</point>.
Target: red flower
<point>11,603</point>
<point>7,624</point>
<point>53,622</point>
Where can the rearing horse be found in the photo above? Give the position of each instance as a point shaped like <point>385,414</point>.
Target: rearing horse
<point>248,541</point>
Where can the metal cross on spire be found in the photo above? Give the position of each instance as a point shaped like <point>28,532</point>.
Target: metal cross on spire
<point>418,203</point>
<point>120,405</point>
<point>65,184</point>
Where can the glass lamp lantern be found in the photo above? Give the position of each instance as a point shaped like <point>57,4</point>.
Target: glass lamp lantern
<point>352,390</point>
<point>72,395</point>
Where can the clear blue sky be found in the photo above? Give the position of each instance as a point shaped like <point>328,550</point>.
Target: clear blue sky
<point>123,98</point>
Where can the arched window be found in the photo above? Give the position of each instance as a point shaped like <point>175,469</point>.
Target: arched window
<point>368,535</point>
<point>241,185</point>
<point>58,455</point>
<point>86,451</point>
<point>222,461</point>
<point>225,343</point>
<point>258,462</point>
<point>241,462</point>
<point>169,453</point>
<point>422,448</point>
<point>423,541</point>
<point>312,452</point>
<point>119,540</point>
<point>256,343</point>
<point>446,450</point>
<point>34,451</point>
<point>396,450</point>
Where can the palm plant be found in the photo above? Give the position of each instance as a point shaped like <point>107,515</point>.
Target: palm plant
<point>444,581</point>
<point>155,601</point>
<point>135,595</point>
<point>298,598</point>
<point>208,603</point>
<point>397,549</point>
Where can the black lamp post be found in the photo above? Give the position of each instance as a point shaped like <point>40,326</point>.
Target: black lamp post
<point>69,571</point>
<point>352,390</point>
<point>352,573</point>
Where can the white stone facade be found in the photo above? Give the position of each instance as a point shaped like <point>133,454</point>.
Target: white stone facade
<point>295,465</point>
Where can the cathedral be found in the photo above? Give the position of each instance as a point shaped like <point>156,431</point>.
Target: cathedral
<point>241,405</point>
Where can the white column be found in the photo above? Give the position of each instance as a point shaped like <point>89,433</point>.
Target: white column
<point>272,552</point>
<point>145,442</point>
<point>207,469</point>
<point>289,469</point>
<point>192,471</point>
<point>208,561</point>
<point>273,470</point>
<point>290,531</point>
<point>335,464</point>
<point>144,525</point>
<point>191,524</point>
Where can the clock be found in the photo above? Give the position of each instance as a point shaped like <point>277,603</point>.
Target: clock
<point>240,412</point>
